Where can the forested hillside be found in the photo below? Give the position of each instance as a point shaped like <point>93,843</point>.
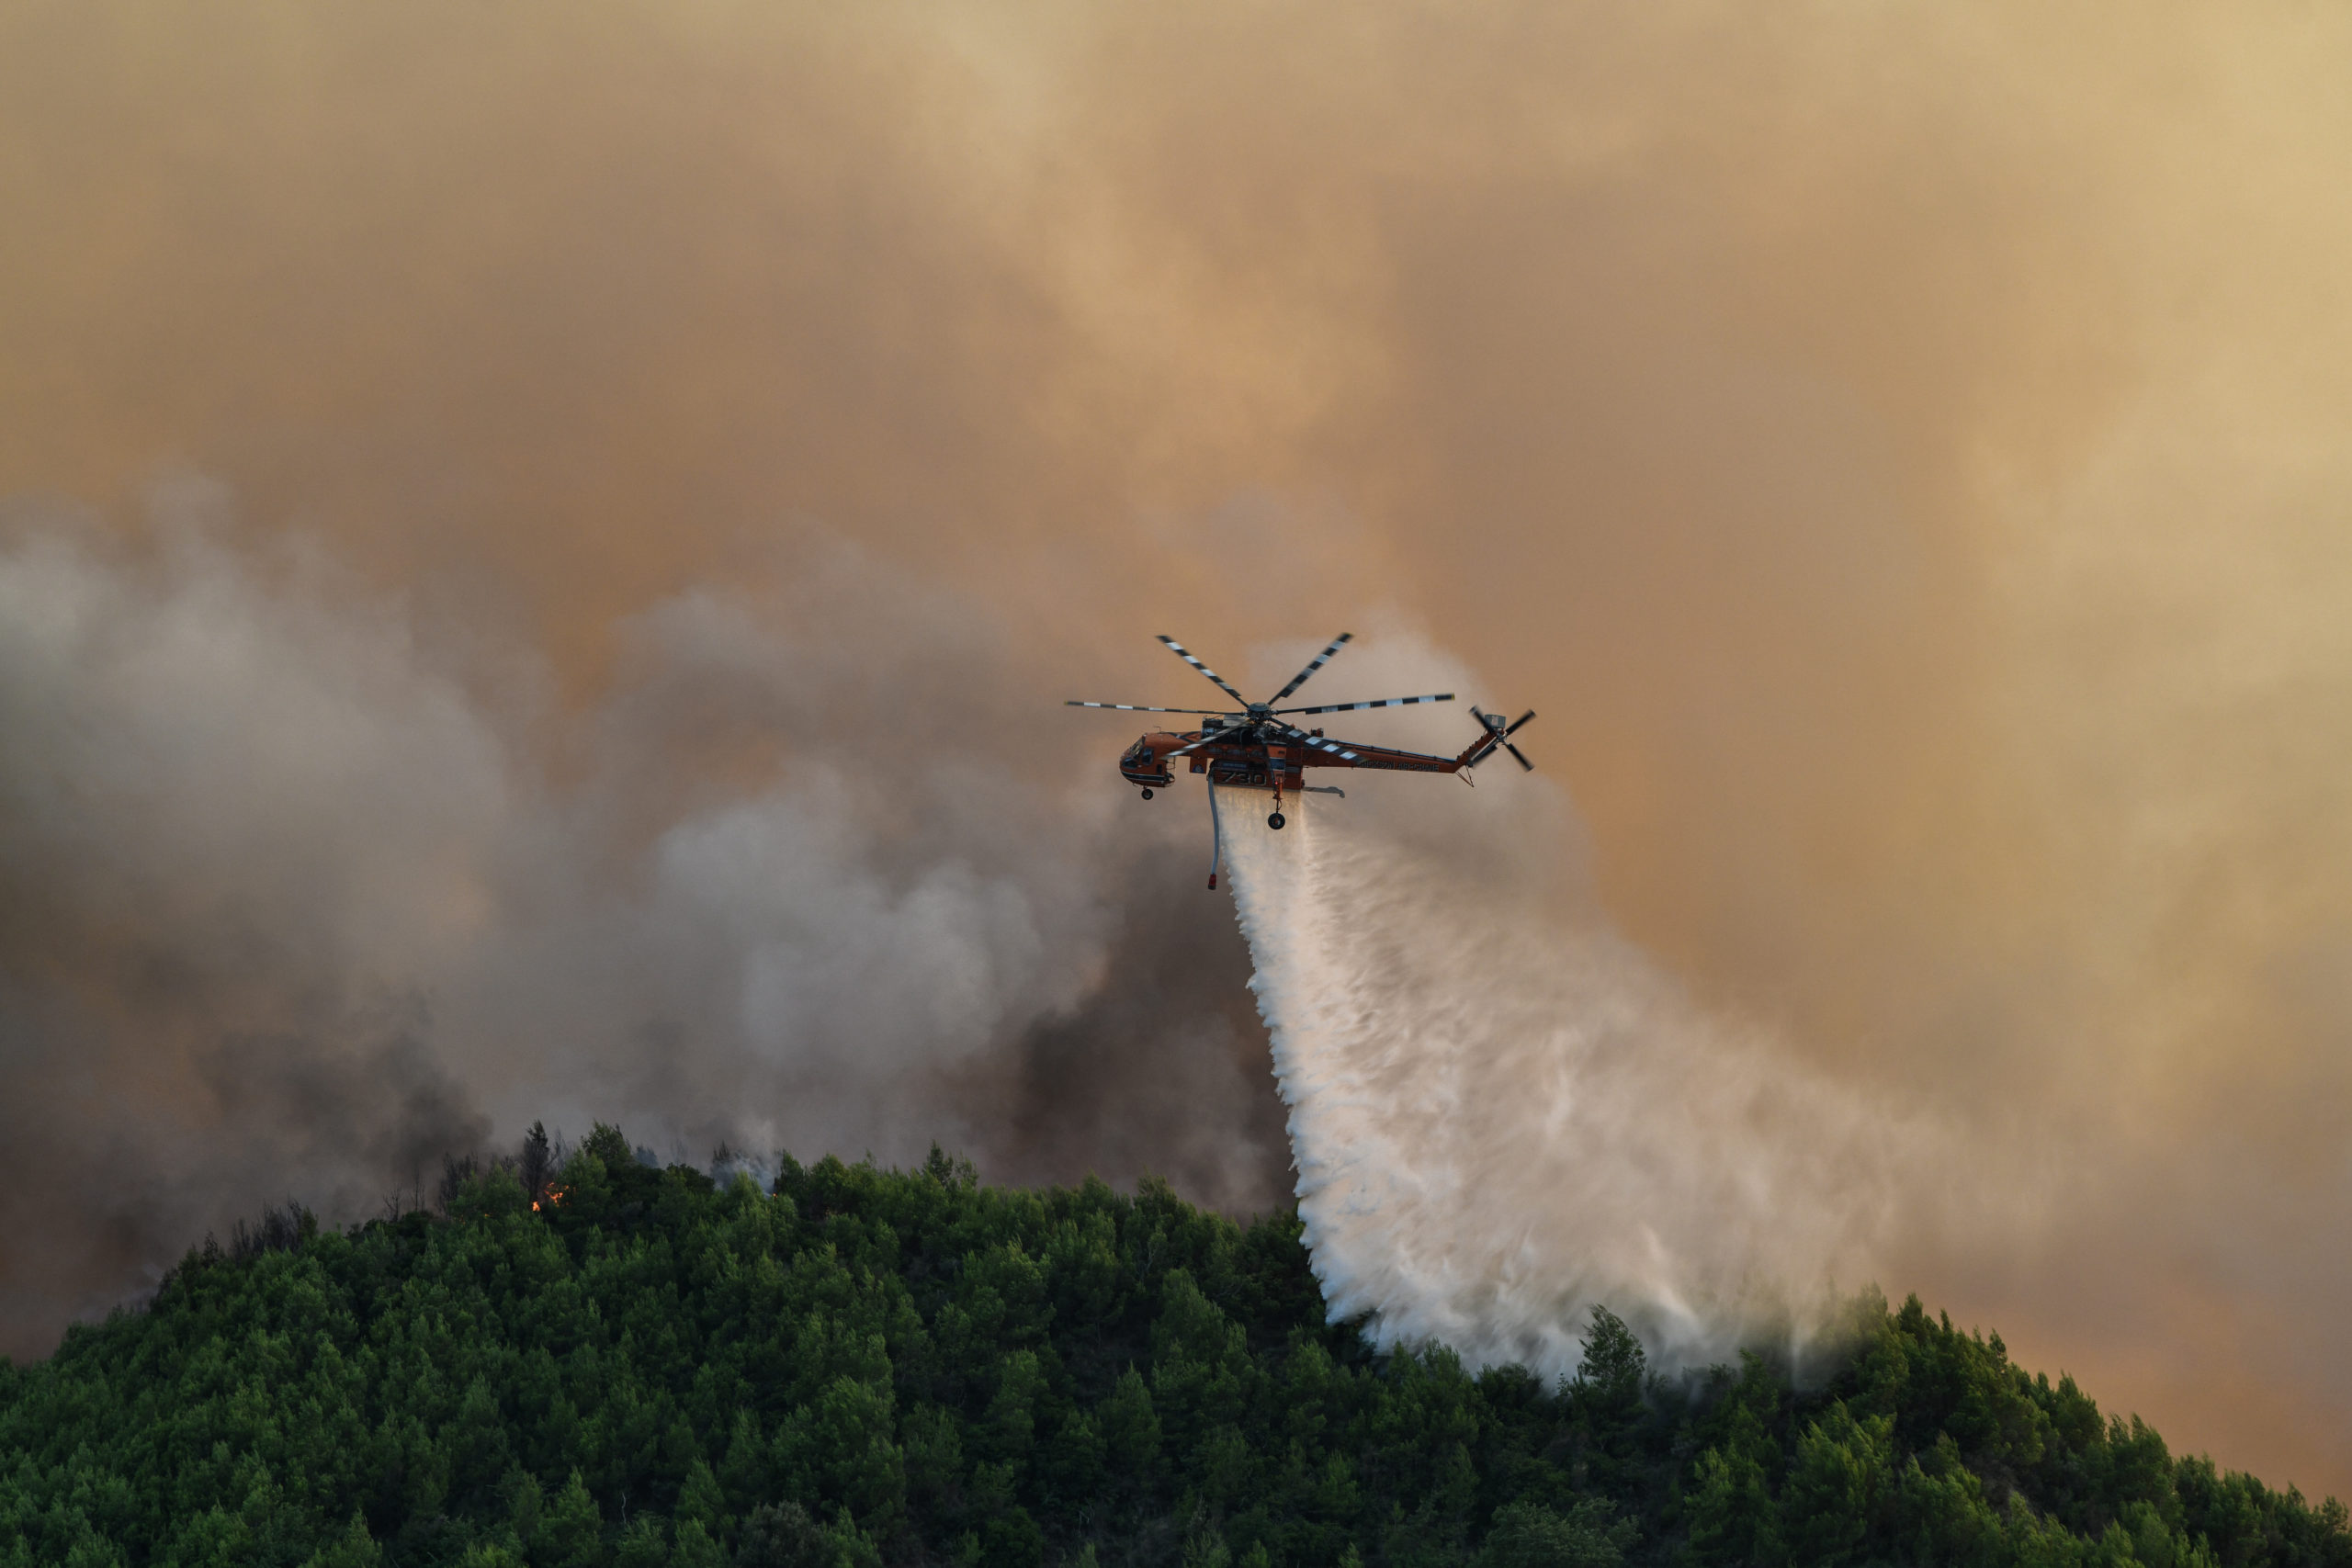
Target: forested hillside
<point>868,1367</point>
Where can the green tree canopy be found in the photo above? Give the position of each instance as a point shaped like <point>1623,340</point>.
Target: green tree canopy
<point>859,1366</point>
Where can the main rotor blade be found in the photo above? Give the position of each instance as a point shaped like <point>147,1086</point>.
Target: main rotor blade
<point>1294,733</point>
<point>1383,703</point>
<point>1522,719</point>
<point>1519,756</point>
<point>1312,666</point>
<point>1139,707</point>
<point>1184,653</point>
<point>1208,738</point>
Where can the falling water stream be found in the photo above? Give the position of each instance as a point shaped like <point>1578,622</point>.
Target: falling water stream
<point>1499,1122</point>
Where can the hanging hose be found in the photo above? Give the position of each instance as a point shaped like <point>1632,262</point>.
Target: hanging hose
<point>1216,837</point>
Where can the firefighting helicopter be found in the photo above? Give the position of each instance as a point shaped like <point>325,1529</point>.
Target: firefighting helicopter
<point>1254,745</point>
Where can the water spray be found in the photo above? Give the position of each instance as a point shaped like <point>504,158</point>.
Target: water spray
<point>1499,1122</point>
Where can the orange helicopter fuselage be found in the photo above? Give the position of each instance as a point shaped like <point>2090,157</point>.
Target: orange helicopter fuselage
<point>1276,764</point>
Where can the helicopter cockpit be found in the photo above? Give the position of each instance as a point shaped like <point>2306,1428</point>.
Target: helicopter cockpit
<point>1142,765</point>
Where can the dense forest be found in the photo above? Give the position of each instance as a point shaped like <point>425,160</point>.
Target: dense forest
<point>593,1360</point>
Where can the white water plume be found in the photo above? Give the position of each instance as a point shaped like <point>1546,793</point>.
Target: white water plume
<point>1500,1120</point>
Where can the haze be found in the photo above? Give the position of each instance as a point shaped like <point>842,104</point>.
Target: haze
<point>496,493</point>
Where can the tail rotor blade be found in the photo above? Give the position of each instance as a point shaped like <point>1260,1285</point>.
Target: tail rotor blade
<point>1312,666</point>
<point>1185,654</point>
<point>1499,736</point>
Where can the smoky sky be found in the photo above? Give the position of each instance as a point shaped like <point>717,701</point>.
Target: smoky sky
<point>545,548</point>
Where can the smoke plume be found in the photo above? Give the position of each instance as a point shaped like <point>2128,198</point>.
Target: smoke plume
<point>303,897</point>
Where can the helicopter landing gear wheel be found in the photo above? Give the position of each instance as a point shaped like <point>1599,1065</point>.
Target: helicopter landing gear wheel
<point>1147,794</point>
<point>1275,821</point>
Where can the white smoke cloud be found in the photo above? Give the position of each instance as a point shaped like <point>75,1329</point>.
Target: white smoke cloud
<point>189,748</point>
<point>302,899</point>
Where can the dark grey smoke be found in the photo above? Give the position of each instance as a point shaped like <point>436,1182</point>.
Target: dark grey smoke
<point>1164,1067</point>
<point>108,1177</point>
<point>301,896</point>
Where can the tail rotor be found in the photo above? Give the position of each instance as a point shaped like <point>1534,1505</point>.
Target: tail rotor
<point>1498,734</point>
